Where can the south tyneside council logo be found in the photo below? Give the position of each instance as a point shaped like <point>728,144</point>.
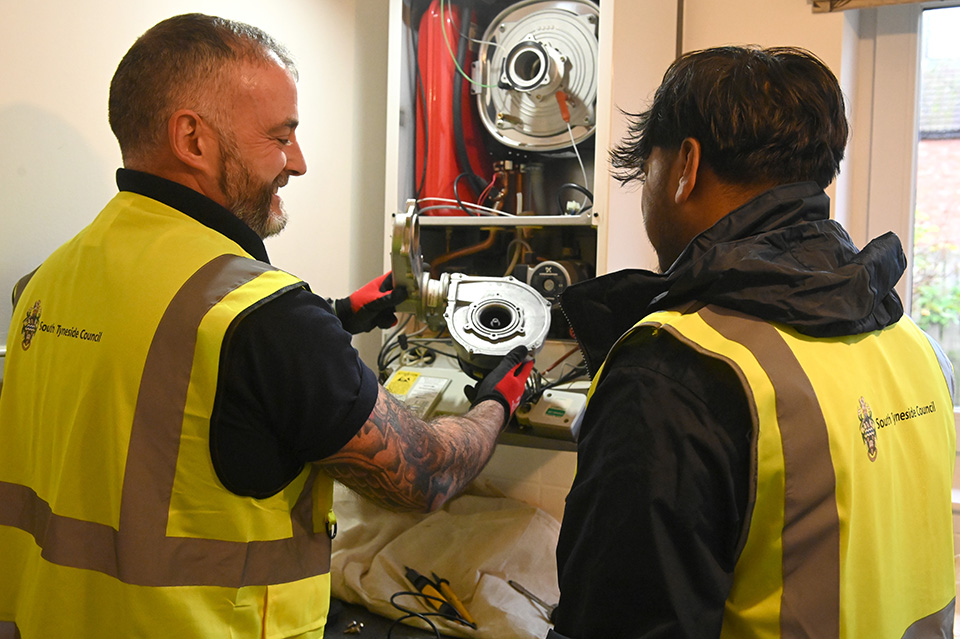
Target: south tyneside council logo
<point>30,325</point>
<point>868,429</point>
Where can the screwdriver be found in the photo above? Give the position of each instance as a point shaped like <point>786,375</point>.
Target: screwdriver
<point>454,600</point>
<point>549,608</point>
<point>426,587</point>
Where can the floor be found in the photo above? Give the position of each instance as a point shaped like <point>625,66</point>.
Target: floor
<point>343,616</point>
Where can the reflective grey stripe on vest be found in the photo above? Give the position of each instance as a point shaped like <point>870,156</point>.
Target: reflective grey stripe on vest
<point>810,604</point>
<point>17,292</point>
<point>939,625</point>
<point>945,365</point>
<point>139,552</point>
<point>9,630</point>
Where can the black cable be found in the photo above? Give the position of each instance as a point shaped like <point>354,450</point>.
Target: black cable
<point>410,614</point>
<point>456,194</point>
<point>576,187</point>
<point>463,158</point>
<point>431,349</point>
<point>384,358</point>
<point>422,616</point>
<point>422,103</point>
<point>386,347</point>
<point>574,373</point>
<point>426,132</point>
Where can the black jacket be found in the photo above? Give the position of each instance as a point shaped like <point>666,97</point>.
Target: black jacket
<point>649,535</point>
<point>778,257</point>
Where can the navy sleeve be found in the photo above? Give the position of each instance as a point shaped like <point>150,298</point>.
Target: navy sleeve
<point>292,390</point>
<point>652,522</point>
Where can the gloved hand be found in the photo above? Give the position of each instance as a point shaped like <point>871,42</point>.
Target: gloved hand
<point>505,383</point>
<point>370,307</point>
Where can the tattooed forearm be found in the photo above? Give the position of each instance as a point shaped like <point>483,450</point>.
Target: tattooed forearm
<point>404,463</point>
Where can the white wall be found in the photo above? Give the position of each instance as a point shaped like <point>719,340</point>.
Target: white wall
<point>767,23</point>
<point>58,154</point>
<point>644,37</point>
<point>631,82</point>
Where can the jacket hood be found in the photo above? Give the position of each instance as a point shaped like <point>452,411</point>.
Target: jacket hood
<point>779,257</point>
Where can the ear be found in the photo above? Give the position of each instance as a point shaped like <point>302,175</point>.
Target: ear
<point>688,160</point>
<point>192,141</point>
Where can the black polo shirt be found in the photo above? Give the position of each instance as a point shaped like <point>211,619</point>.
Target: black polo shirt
<point>291,387</point>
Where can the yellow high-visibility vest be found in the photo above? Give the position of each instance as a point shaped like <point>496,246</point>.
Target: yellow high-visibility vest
<point>849,528</point>
<point>112,520</point>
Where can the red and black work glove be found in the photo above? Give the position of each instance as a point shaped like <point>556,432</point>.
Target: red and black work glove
<point>505,383</point>
<point>370,307</point>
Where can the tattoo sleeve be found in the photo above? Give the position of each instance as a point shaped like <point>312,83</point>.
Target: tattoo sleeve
<point>403,463</point>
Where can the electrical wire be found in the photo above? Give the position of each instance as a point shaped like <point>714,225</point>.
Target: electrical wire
<point>386,346</point>
<point>525,244</point>
<point>486,191</point>
<point>575,372</point>
<point>538,383</point>
<point>482,209</point>
<point>576,151</point>
<point>576,187</point>
<point>460,141</point>
<point>416,346</point>
<point>422,103</point>
<point>446,39</point>
<point>421,344</point>
<point>422,616</point>
<point>561,359</point>
<point>456,194</point>
<point>404,357</point>
<point>418,356</point>
<point>521,244</point>
<point>583,171</point>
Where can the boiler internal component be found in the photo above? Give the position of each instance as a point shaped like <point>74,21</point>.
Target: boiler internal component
<point>537,71</point>
<point>486,316</point>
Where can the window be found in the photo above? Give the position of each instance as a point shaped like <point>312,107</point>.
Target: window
<point>905,130</point>
<point>935,268</point>
<point>907,163</point>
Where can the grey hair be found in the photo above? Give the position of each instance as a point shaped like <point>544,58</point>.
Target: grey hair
<point>181,62</point>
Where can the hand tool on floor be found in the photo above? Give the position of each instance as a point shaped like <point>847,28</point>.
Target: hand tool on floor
<point>549,608</point>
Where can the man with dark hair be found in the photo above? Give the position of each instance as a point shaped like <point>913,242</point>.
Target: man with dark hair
<point>769,443</point>
<point>177,409</point>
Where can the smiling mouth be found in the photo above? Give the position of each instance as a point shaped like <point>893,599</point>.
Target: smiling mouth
<point>278,184</point>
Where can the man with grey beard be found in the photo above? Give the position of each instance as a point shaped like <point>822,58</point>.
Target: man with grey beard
<point>174,477</point>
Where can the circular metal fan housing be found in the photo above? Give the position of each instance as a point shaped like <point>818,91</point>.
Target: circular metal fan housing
<point>486,316</point>
<point>538,61</point>
<point>489,316</point>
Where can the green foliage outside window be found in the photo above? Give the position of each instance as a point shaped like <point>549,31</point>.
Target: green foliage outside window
<point>936,286</point>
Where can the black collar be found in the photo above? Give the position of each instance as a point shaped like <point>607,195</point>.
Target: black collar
<point>198,206</point>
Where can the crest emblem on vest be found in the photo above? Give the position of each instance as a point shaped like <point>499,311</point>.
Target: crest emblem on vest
<point>868,429</point>
<point>30,325</point>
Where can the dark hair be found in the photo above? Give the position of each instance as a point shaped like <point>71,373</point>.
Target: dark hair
<point>180,63</point>
<point>760,115</point>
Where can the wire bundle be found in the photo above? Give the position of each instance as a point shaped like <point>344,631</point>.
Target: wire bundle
<point>422,616</point>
